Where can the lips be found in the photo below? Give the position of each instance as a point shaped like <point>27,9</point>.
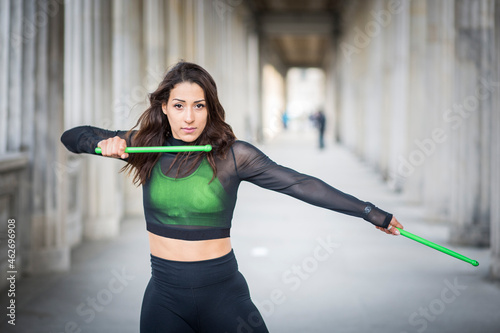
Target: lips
<point>188,130</point>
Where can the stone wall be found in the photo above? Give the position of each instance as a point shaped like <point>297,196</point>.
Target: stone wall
<point>31,113</point>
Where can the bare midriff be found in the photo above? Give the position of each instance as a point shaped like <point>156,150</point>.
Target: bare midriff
<point>184,250</point>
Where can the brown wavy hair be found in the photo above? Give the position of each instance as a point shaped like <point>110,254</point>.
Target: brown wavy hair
<point>154,127</point>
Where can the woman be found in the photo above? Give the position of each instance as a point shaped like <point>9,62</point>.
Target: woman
<point>189,200</point>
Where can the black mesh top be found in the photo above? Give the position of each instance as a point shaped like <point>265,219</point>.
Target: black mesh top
<point>192,207</point>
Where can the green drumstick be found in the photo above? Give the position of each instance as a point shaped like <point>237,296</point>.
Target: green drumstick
<point>163,149</point>
<point>438,247</point>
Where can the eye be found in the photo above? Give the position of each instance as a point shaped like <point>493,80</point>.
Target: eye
<point>178,106</point>
<point>200,106</point>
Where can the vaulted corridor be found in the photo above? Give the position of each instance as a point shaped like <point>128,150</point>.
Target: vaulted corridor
<point>409,89</point>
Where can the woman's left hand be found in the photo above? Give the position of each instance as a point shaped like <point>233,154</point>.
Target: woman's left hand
<point>391,229</point>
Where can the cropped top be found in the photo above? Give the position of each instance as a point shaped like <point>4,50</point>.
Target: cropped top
<point>192,205</point>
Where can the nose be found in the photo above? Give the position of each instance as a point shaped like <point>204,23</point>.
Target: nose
<point>189,118</point>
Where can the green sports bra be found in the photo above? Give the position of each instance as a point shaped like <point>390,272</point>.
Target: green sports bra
<point>175,207</point>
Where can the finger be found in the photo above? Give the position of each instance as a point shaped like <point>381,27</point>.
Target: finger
<point>121,150</point>
<point>112,147</point>
<point>108,148</point>
<point>122,144</point>
<point>394,225</point>
<point>393,231</point>
<point>397,224</point>
<point>118,148</point>
<point>100,145</point>
<point>104,147</point>
<point>123,154</point>
<point>384,230</point>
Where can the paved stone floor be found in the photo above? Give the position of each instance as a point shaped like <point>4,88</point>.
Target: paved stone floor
<point>309,269</point>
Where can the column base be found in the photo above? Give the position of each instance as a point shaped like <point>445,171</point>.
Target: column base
<point>104,227</point>
<point>49,260</point>
<point>495,267</point>
<point>470,235</point>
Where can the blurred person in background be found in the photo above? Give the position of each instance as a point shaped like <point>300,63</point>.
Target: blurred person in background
<point>319,121</point>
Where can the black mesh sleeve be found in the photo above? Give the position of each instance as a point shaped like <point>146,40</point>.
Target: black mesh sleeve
<point>84,139</point>
<point>254,166</point>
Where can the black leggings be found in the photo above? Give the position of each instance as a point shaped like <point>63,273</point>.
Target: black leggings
<point>202,296</point>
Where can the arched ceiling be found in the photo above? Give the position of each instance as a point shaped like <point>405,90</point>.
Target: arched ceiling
<point>298,31</point>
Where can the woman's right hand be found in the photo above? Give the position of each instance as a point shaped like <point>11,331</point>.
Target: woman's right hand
<point>113,147</point>
<point>392,227</point>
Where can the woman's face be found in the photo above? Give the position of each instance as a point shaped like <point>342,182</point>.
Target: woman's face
<point>186,111</point>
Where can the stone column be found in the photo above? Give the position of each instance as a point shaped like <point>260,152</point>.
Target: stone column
<point>410,177</point>
<point>495,154</point>
<point>15,77</point>
<point>430,150</point>
<point>12,41</point>
<point>373,101</point>
<point>470,120</point>
<point>236,86</point>
<point>94,200</point>
<point>200,13</point>
<point>49,247</point>
<point>337,82</point>
<point>155,41</point>
<point>129,85</point>
<point>128,62</point>
<point>73,170</point>
<point>188,29</point>
<point>347,75</point>
<point>28,70</point>
<point>252,118</point>
<point>14,189</point>
<point>5,42</point>
<point>330,89</point>
<point>224,42</point>
<point>398,88</point>
<point>174,32</point>
<point>106,199</point>
<point>360,67</point>
<point>29,56</point>
<point>387,65</point>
